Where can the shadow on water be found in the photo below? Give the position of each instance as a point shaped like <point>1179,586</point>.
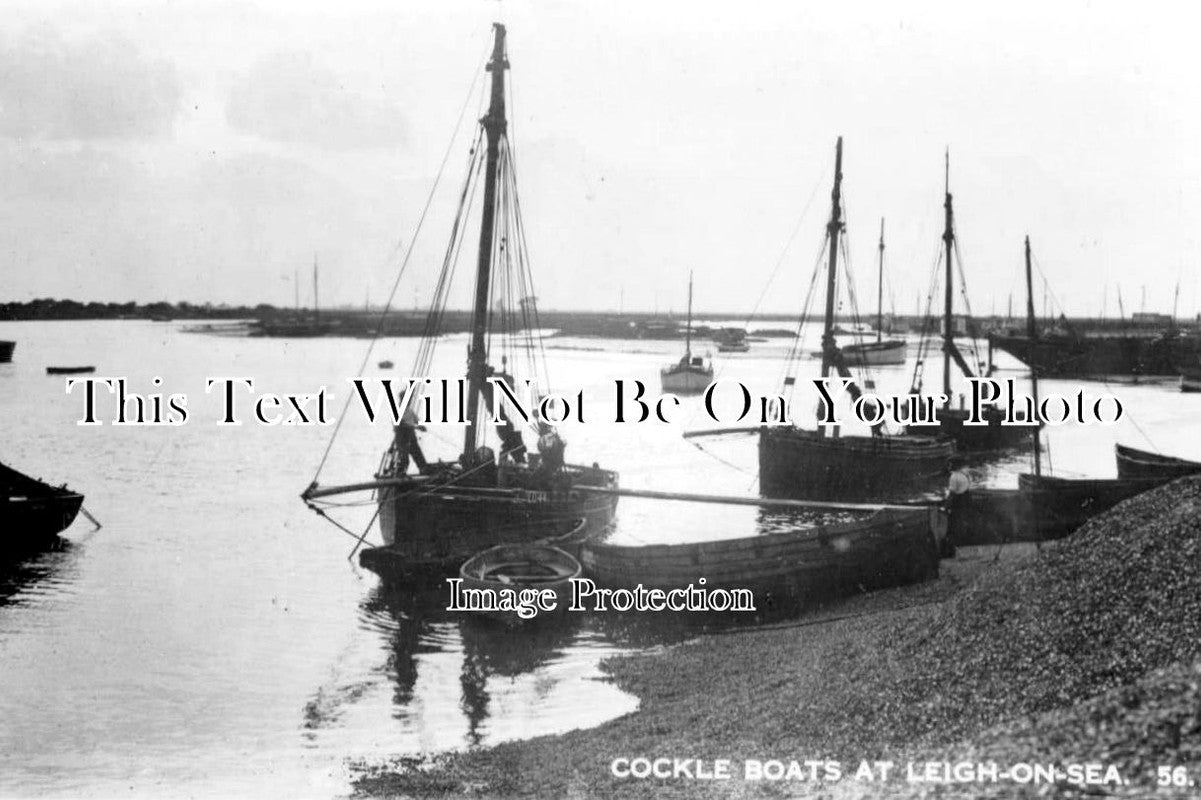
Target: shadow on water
<point>23,571</point>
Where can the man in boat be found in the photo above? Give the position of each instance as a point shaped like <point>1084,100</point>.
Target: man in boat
<point>406,446</point>
<point>551,448</point>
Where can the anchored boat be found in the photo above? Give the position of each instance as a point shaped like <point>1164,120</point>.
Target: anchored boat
<point>434,514</point>
<point>994,435</point>
<point>691,374</point>
<point>1135,463</point>
<point>881,351</point>
<point>823,465</point>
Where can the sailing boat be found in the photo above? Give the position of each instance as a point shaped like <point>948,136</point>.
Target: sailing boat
<point>820,464</point>
<point>433,520</point>
<point>881,351</point>
<point>298,327</point>
<point>993,435</point>
<point>691,374</point>
<point>1042,507</point>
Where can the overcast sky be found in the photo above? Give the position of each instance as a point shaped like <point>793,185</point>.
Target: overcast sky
<point>205,151</point>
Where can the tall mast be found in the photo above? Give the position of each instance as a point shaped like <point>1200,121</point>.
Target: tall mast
<point>494,127</point>
<point>316,303</point>
<point>948,240</point>
<point>880,289</point>
<point>833,229</point>
<point>1032,335</point>
<point>688,333</point>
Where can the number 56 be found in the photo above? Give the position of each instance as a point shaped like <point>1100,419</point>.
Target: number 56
<point>1172,776</point>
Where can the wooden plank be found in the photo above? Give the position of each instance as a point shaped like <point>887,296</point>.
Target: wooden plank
<point>732,500</point>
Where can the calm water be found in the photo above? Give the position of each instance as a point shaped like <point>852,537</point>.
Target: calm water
<point>213,638</point>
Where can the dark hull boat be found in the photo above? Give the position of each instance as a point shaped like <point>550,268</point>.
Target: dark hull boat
<point>1102,356</point>
<point>6,351</point>
<point>888,351</point>
<point>1190,379</point>
<point>448,510</point>
<point>1040,509</point>
<point>985,438</point>
<point>805,465</point>
<point>70,370</point>
<point>32,513</point>
<point>888,547</point>
<point>1134,463</point>
<point>822,465</point>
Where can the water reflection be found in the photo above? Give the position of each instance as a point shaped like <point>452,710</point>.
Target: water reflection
<point>23,575</point>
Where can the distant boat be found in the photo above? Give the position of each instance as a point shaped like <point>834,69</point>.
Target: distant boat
<point>81,370</point>
<point>691,374</point>
<point>881,351</point>
<point>1190,379</point>
<point>1134,463</point>
<point>298,327</point>
<point>386,364</point>
<point>522,566</point>
<point>886,547</point>
<point>33,513</point>
<point>6,351</point>
<point>731,340</point>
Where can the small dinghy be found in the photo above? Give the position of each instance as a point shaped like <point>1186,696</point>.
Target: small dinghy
<point>32,513</point>
<point>70,370</point>
<point>385,364</point>
<point>505,570</point>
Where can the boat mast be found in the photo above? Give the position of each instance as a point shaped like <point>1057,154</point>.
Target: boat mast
<point>880,289</point>
<point>316,303</point>
<point>832,230</point>
<point>688,331</point>
<point>1032,335</point>
<point>477,357</point>
<point>948,239</point>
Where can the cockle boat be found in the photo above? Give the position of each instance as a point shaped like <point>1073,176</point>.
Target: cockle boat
<point>994,435</point>
<point>1135,463</point>
<point>691,374</point>
<point>823,465</point>
<point>80,370</point>
<point>865,550</point>
<point>33,513</point>
<point>432,519</point>
<point>6,350</point>
<point>1042,507</point>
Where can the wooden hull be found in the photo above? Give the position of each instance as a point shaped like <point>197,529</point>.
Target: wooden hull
<point>1040,508</point>
<point>1100,356</point>
<point>1134,463</point>
<point>975,438</point>
<point>32,513</point>
<point>800,464</point>
<point>889,351</point>
<point>522,566</point>
<point>6,351</point>
<point>885,548</point>
<point>686,381</point>
<point>430,530</point>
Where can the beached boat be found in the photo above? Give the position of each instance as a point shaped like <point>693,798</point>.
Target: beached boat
<point>33,513</point>
<point>448,510</point>
<point>691,374</point>
<point>70,370</point>
<point>866,550</point>
<point>6,351</point>
<point>1135,463</point>
<point>1042,507</point>
<point>951,420</point>
<point>515,567</point>
<point>732,340</point>
<point>823,465</point>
